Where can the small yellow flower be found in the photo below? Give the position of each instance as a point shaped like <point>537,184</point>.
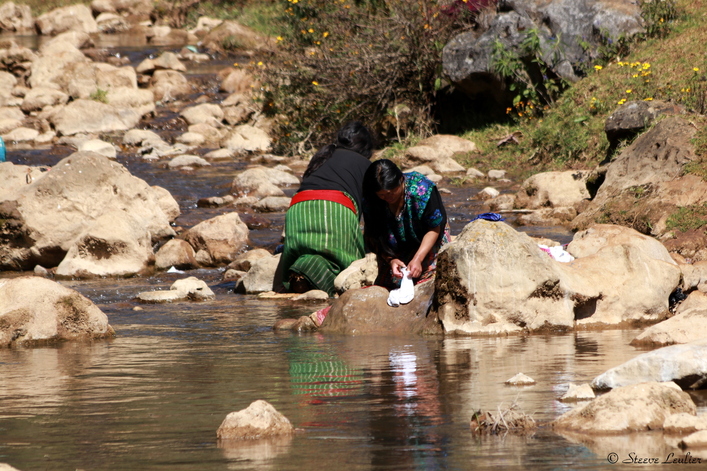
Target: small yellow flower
<point>279,38</point>
<point>598,67</point>
<point>622,101</point>
<point>696,69</point>
<point>260,63</point>
<point>311,30</point>
<point>314,82</point>
<point>235,64</point>
<point>648,99</point>
<point>629,90</point>
<point>325,34</point>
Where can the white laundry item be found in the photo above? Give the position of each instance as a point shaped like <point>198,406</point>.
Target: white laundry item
<point>557,253</point>
<point>405,293</point>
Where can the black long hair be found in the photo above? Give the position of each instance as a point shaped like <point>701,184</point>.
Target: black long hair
<point>381,175</point>
<point>353,136</point>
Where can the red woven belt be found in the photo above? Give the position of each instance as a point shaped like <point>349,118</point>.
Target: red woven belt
<point>327,195</point>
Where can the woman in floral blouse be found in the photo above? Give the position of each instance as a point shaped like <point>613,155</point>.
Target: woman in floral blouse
<point>405,222</point>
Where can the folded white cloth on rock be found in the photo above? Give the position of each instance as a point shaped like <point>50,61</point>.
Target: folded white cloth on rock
<point>405,293</point>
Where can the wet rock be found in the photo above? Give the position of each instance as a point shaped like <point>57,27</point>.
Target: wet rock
<point>685,364</point>
<point>273,204</point>
<point>136,137</point>
<point>176,253</point>
<point>253,221</point>
<point>504,202</point>
<point>76,17</point>
<point>359,274</point>
<point>16,18</point>
<point>582,392</point>
<point>684,422</point>
<point>311,295</point>
<point>260,277</point>
<point>244,262</point>
<point>188,161</point>
<point>366,311</point>
<point>494,280</point>
<point>192,289</point>
<point>34,309</point>
<point>688,325</point>
<point>217,202</point>
<point>49,214</point>
<point>114,244</point>
<point>219,239</point>
<point>488,193</point>
<point>639,407</point>
<point>166,61</point>
<point>520,380</point>
<point>695,440</point>
<point>259,420</point>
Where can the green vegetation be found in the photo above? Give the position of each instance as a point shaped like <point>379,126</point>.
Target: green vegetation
<point>99,95</point>
<point>688,218</point>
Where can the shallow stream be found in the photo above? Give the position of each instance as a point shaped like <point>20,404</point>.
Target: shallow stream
<point>153,397</point>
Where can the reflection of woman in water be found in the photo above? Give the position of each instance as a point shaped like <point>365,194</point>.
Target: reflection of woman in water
<point>322,233</point>
<point>406,223</point>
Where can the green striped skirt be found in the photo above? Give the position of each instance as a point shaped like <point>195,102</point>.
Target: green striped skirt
<point>322,238</point>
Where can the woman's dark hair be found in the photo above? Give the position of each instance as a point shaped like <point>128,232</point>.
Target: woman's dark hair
<point>381,175</point>
<point>353,136</point>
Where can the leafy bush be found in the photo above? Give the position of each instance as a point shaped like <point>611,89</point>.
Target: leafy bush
<point>374,60</point>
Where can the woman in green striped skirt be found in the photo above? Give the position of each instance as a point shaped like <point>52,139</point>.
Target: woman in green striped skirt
<point>322,231</point>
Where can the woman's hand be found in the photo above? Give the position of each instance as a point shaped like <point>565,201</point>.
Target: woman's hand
<point>415,268</point>
<point>395,265</point>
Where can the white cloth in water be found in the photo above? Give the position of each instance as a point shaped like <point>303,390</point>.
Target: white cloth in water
<point>405,293</point>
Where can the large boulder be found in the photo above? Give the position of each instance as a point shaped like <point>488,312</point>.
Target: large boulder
<point>34,309</point>
<point>688,325</point>
<point>494,280</point>
<point>115,244</point>
<point>43,219</point>
<point>636,408</point>
<point>14,177</point>
<point>685,364</point>
<point>48,69</point>
<point>74,17</point>
<point>645,183</point>
<point>635,116</point>
<point>255,182</point>
<point>167,85</point>
<point>366,311</point>
<point>81,116</point>
<point>569,31</point>
<point>261,275</point>
<point>219,240</point>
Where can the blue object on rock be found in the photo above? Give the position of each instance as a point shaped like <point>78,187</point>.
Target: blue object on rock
<point>489,217</point>
<point>2,150</point>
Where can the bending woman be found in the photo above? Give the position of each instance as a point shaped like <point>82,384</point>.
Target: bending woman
<point>322,232</point>
<point>405,222</point>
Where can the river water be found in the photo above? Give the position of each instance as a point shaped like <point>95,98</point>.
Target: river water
<point>153,397</point>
